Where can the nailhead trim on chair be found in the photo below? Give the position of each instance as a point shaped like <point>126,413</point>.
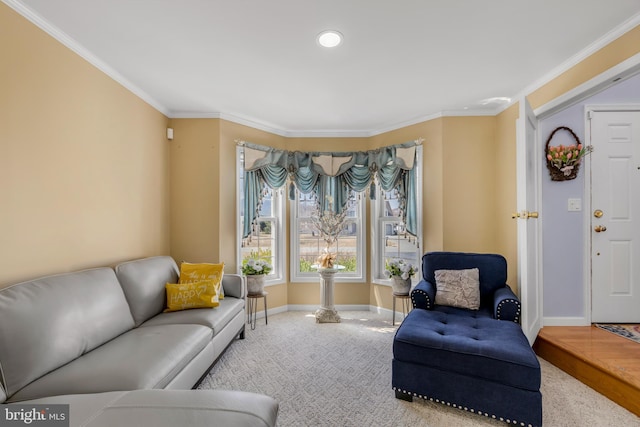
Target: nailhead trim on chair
<point>513,301</point>
<point>498,314</point>
<point>486,414</point>
<point>420,291</point>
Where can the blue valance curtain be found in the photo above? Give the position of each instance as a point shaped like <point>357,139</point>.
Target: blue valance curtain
<point>330,177</point>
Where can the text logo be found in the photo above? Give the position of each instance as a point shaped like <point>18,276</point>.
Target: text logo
<point>34,415</point>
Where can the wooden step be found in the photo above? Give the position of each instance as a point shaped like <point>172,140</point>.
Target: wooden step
<point>602,360</point>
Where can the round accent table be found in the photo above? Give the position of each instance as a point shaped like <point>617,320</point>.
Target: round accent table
<point>406,305</point>
<point>253,308</point>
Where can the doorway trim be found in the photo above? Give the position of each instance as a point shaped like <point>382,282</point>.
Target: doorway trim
<point>588,282</point>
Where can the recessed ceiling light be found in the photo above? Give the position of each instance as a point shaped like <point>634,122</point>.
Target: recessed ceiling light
<point>329,38</point>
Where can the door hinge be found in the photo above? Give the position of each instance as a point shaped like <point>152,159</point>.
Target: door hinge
<point>589,114</point>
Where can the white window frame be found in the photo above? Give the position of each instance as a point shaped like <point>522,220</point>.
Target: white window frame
<point>346,277</point>
<point>277,276</point>
<point>378,223</point>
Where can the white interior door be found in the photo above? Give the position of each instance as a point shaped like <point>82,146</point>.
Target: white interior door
<point>615,208</point>
<point>527,158</point>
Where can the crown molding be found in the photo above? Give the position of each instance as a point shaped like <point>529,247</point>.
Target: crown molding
<point>257,124</point>
<point>84,53</point>
<point>337,133</point>
<point>404,124</point>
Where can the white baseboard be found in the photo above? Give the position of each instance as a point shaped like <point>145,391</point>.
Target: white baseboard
<point>312,309</point>
<point>565,321</point>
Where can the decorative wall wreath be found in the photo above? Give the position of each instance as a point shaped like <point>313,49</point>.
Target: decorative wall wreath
<point>563,161</point>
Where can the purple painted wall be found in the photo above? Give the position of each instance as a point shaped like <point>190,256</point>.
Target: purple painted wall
<point>562,230</point>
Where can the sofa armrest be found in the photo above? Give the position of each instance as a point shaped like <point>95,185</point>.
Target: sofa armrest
<point>234,285</point>
<point>506,305</point>
<point>424,295</point>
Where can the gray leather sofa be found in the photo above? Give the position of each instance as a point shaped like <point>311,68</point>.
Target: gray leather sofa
<point>99,340</point>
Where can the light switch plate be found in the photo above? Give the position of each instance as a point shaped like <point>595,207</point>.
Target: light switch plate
<point>575,205</point>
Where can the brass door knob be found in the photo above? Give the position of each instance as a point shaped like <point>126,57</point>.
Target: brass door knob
<point>524,215</point>
<point>600,228</point>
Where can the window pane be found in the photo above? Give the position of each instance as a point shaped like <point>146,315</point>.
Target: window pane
<point>266,209</point>
<point>266,240</point>
<point>307,244</point>
<point>306,205</point>
<point>352,209</point>
<point>347,245</point>
<point>398,244</point>
<point>391,204</point>
<point>261,245</point>
<point>310,245</point>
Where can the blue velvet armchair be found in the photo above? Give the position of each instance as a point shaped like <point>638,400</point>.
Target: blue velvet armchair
<point>476,360</point>
<point>496,297</point>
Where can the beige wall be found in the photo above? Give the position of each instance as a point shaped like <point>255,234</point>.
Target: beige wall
<point>83,162</point>
<point>469,192</point>
<point>195,190</point>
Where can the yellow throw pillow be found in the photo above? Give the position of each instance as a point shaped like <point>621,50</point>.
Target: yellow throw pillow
<point>204,271</point>
<point>182,296</point>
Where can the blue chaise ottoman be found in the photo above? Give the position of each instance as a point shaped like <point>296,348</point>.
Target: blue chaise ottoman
<point>468,359</point>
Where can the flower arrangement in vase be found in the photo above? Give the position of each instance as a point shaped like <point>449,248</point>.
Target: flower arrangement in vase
<point>400,273</point>
<point>255,271</point>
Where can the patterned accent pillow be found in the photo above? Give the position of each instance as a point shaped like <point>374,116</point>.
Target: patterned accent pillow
<point>204,271</point>
<point>458,288</point>
<point>183,296</point>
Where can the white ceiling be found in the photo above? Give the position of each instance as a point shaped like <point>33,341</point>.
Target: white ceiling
<point>401,62</point>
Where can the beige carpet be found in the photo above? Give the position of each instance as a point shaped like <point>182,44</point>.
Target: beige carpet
<point>340,375</point>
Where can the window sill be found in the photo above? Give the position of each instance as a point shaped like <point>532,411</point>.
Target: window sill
<point>337,279</point>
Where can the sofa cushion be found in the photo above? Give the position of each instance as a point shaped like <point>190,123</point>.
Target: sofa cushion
<point>142,358</point>
<point>169,408</point>
<point>143,282</point>
<point>477,346</point>
<point>216,319</point>
<point>51,321</point>
<point>458,288</point>
<point>184,296</point>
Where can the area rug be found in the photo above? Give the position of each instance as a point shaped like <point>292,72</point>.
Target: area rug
<point>339,375</point>
<point>630,331</point>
